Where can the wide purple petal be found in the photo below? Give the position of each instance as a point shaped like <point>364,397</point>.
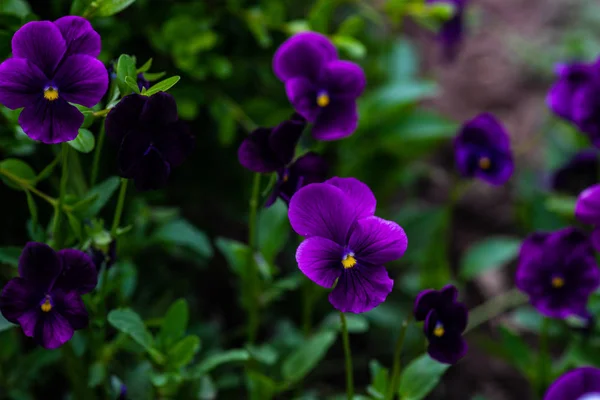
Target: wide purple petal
<point>574,384</point>
<point>426,301</point>
<point>303,97</point>
<point>448,350</point>
<point>361,288</point>
<point>175,144</point>
<point>29,321</point>
<point>456,316</point>
<point>376,241</point>
<point>595,239</point>
<point>41,43</point>
<point>448,294</point>
<point>311,167</point>
<point>151,172</point>
<point>571,78</point>
<point>284,138</point>
<point>82,80</point>
<point>343,80</point>
<point>303,55</point>
<point>587,208</point>
<point>320,260</point>
<point>78,272</point>
<point>21,83</point>
<point>133,148</point>
<point>71,307</point>
<point>484,130</point>
<point>322,210</point>
<point>39,264</point>
<point>18,296</point>
<point>51,122</point>
<point>124,117</point>
<point>358,193</point>
<point>160,109</point>
<point>336,121</point>
<point>79,36</point>
<point>255,152</point>
<point>52,330</point>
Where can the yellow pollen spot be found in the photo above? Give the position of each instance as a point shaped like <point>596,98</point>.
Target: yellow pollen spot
<point>286,177</point>
<point>485,163</point>
<point>323,100</point>
<point>46,306</point>
<point>558,282</point>
<point>348,261</point>
<point>439,330</point>
<point>50,93</point>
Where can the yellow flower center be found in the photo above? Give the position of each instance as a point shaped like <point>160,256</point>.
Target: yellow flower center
<point>46,306</point>
<point>558,282</point>
<point>485,163</point>
<point>349,261</point>
<point>323,99</point>
<point>439,330</point>
<point>50,93</point>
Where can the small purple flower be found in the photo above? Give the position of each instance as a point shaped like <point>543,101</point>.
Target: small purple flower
<point>558,272</point>
<point>452,31</point>
<point>151,138</point>
<point>587,210</point>
<point>579,384</point>
<point>103,256</point>
<point>580,172</point>
<point>321,88</point>
<point>53,64</point>
<point>482,150</point>
<point>123,393</point>
<point>46,299</point>
<point>445,321</point>
<point>345,242</point>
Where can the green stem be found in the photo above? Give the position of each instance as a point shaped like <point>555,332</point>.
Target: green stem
<point>75,370</point>
<point>26,186</point>
<point>97,152</point>
<point>495,307</point>
<point>56,236</point>
<point>398,360</point>
<point>544,358</point>
<point>252,271</point>
<point>348,356</point>
<point>119,209</point>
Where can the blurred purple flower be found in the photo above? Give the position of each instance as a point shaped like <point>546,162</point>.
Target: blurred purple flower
<point>101,256</point>
<point>482,150</point>
<point>345,242</point>
<point>46,299</point>
<point>53,64</point>
<point>445,321</point>
<point>580,172</point>
<point>151,138</point>
<point>587,210</point>
<point>579,384</point>
<point>452,31</point>
<point>321,88</point>
<point>123,393</point>
<point>558,272</point>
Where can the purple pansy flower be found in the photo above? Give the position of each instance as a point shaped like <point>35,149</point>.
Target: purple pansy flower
<point>482,150</point>
<point>580,172</point>
<point>321,88</point>
<point>452,31</point>
<point>46,299</point>
<point>579,384</point>
<point>103,256</point>
<point>53,64</point>
<point>558,272</point>
<point>445,321</point>
<point>151,138</point>
<point>587,210</point>
<point>345,242</point>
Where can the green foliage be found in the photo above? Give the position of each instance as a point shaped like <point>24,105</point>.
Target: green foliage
<point>420,377</point>
<point>17,174</point>
<point>488,254</point>
<point>306,357</point>
<point>84,142</point>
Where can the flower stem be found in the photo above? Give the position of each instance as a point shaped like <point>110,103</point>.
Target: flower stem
<point>348,355</point>
<point>119,209</point>
<point>97,152</point>
<point>544,359</point>
<point>56,236</point>
<point>398,360</point>
<point>75,369</point>
<point>252,271</point>
<point>495,307</point>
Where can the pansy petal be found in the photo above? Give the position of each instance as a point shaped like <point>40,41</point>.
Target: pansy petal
<point>41,43</point>
<point>361,288</point>
<point>358,193</point>
<point>51,122</point>
<point>82,80</point>
<point>322,210</point>
<point>175,144</point>
<point>133,147</point>
<point>312,167</point>
<point>284,139</point>
<point>71,307</point>
<point>587,208</point>
<point>426,301</point>
<point>78,272</point>
<point>303,97</point>
<point>29,321</point>
<point>448,350</point>
<point>39,264</point>
<point>456,317</point>
<point>52,330</point>
<point>303,55</point>
<point>484,130</point>
<point>124,117</point>
<point>320,260</point>
<point>336,121</point>
<point>160,109</point>
<point>255,153</point>
<point>377,241</point>
<point>448,294</point>
<point>151,172</point>
<point>575,384</point>
<point>18,296</point>
<point>345,79</point>
<point>21,83</point>
<point>79,36</point>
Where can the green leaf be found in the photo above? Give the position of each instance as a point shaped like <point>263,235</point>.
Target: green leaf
<point>129,322</point>
<point>174,324</point>
<point>132,83</point>
<point>420,377</point>
<point>102,193</point>
<point>356,323</point>
<point>516,350</point>
<point>153,76</point>
<point>181,233</point>
<point>351,46</point>
<point>14,171</point>
<point>182,353</point>
<point>215,360</point>
<point>125,68</point>
<point>163,86</point>
<point>562,205</point>
<point>97,374</point>
<point>111,7</point>
<point>144,68</point>
<point>84,142</point>
<point>236,254</point>
<point>5,324</point>
<point>75,225</point>
<point>488,254</point>
<point>257,23</point>
<point>379,380</point>
<point>260,386</point>
<point>306,357</point>
<point>20,8</point>
<point>273,230</point>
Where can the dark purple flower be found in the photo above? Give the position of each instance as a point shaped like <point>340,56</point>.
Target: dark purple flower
<point>345,242</point>
<point>452,31</point>
<point>46,299</point>
<point>103,256</point>
<point>142,82</point>
<point>53,64</point>
<point>321,88</point>
<point>587,210</point>
<point>579,384</point>
<point>558,272</point>
<point>123,393</point>
<point>482,150</point>
<point>445,321</point>
<point>151,138</point>
<point>580,172</point>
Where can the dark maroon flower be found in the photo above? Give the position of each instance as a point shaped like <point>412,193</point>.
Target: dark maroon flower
<point>580,172</point>
<point>452,31</point>
<point>445,321</point>
<point>103,256</point>
<point>558,272</point>
<point>151,138</point>
<point>46,299</point>
<point>482,150</point>
<point>579,384</point>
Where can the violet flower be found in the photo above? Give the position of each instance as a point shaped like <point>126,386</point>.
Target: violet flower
<point>321,88</point>
<point>579,384</point>
<point>445,321</point>
<point>151,138</point>
<point>345,242</point>
<point>580,172</point>
<point>53,64</point>
<point>46,298</point>
<point>482,150</point>
<point>558,272</point>
<point>452,31</point>
<point>587,211</point>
